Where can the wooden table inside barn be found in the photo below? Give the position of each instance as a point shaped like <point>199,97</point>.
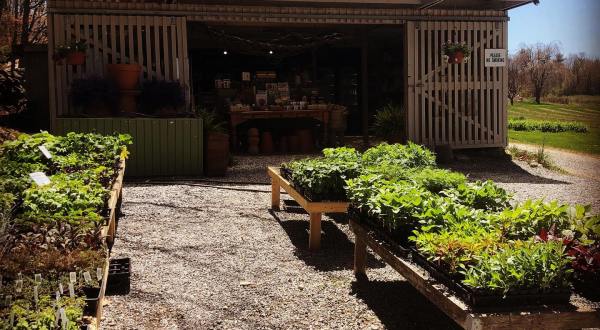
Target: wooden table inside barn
<point>578,314</point>
<point>314,209</point>
<point>239,117</point>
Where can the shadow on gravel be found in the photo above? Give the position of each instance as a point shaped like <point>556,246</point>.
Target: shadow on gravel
<point>499,168</point>
<point>400,306</point>
<point>336,253</point>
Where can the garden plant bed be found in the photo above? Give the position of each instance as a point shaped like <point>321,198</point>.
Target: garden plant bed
<point>314,209</point>
<point>579,314</point>
<point>286,174</point>
<point>399,248</point>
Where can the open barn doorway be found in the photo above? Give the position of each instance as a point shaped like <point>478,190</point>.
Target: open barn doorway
<point>271,70</point>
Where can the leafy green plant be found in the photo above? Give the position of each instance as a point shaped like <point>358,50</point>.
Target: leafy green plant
<point>342,153</point>
<point>410,155</point>
<point>483,195</point>
<point>389,122</point>
<point>450,48</point>
<point>436,180</point>
<point>523,265</point>
<point>210,122</point>
<point>530,217</point>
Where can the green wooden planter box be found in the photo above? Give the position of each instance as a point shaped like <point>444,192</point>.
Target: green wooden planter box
<point>161,146</point>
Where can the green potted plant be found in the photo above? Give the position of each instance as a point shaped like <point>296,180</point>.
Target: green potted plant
<point>94,96</point>
<point>389,123</point>
<point>161,97</point>
<point>73,53</point>
<point>216,144</point>
<point>456,52</point>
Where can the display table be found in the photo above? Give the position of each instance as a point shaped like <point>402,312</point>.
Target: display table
<point>314,209</point>
<point>239,117</point>
<point>577,315</point>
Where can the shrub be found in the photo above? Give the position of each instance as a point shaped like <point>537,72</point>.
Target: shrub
<point>484,195</point>
<point>546,126</point>
<point>159,95</point>
<point>389,122</point>
<point>13,98</point>
<point>91,94</point>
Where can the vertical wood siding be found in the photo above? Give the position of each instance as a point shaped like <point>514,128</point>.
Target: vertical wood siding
<point>161,147</point>
<point>463,105</point>
<point>157,43</point>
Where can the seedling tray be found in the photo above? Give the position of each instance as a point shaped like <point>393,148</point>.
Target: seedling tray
<point>480,299</point>
<point>119,277</point>
<point>398,247</point>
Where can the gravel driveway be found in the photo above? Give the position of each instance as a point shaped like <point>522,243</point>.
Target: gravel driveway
<point>209,255</point>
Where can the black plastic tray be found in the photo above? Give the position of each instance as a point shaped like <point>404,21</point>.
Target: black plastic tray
<point>478,299</point>
<point>119,277</point>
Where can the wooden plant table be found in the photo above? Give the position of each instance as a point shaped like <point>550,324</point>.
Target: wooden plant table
<point>314,209</point>
<point>546,317</point>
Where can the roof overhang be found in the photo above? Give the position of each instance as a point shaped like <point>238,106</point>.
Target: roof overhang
<point>418,4</point>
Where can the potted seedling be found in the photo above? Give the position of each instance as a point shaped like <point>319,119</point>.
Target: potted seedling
<point>163,98</point>
<point>216,151</point>
<point>389,123</point>
<point>456,52</point>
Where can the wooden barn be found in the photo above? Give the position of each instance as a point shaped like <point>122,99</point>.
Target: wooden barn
<point>286,61</point>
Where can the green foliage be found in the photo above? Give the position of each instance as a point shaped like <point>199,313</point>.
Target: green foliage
<point>410,155</point>
<point>484,195</point>
<point>210,121</point>
<point>546,126</point>
<point>529,218</point>
<point>450,48</point>
<point>389,122</point>
<point>523,265</point>
<point>13,98</point>
<point>342,153</point>
<point>322,178</point>
<point>436,180</point>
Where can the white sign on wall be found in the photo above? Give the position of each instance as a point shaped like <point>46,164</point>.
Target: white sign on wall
<point>495,57</point>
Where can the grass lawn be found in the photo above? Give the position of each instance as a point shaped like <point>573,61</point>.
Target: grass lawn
<point>587,113</point>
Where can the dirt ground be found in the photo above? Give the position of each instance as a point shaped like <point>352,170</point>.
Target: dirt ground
<point>211,255</point>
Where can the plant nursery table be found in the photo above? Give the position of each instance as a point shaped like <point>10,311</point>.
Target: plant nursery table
<point>314,209</point>
<point>578,314</point>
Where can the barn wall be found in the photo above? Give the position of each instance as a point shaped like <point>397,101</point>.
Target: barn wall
<point>462,105</point>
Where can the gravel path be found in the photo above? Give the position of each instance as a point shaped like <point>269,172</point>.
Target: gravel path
<point>581,165</point>
<point>209,255</point>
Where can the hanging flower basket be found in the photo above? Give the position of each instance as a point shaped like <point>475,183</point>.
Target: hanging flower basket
<point>456,52</point>
<point>74,53</point>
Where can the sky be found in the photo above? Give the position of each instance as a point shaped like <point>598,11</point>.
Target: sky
<point>573,24</point>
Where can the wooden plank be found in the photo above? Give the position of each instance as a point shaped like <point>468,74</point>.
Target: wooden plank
<point>436,84</point>
<point>538,317</point>
<point>421,50</point>
<point>504,94</point>
<point>176,54</point>
<point>113,40</point>
<point>122,39</point>
<point>148,32</point>
<point>165,47</point>
<point>51,75</point>
<point>410,85</point>
<point>156,48</point>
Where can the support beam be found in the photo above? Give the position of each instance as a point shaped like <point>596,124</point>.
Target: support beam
<point>364,81</point>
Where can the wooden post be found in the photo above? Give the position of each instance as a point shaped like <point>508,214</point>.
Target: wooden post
<point>275,194</point>
<point>314,240</point>
<point>364,78</point>
<point>360,256</point>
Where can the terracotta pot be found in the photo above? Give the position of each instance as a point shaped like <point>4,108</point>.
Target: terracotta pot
<point>266,143</point>
<point>293,143</point>
<point>128,102</point>
<point>216,156</point>
<point>253,140</point>
<point>76,58</point>
<point>126,75</point>
<point>306,141</point>
<point>456,58</point>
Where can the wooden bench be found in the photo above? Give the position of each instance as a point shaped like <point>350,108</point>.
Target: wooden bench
<point>578,315</point>
<point>314,209</point>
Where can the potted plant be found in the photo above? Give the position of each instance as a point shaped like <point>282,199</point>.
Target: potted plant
<point>456,52</point>
<point>216,146</point>
<point>74,53</point>
<point>125,75</point>
<point>161,97</point>
<point>94,96</point>
<point>389,123</point>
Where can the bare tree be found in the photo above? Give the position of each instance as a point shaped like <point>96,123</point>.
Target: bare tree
<point>540,65</point>
<point>515,67</point>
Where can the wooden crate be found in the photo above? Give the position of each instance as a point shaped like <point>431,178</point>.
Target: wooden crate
<point>314,209</point>
<point>578,315</point>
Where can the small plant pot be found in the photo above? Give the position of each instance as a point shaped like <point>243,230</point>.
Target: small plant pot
<point>456,58</point>
<point>76,58</point>
<point>119,277</point>
<point>92,296</point>
<point>217,154</point>
<point>127,76</point>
